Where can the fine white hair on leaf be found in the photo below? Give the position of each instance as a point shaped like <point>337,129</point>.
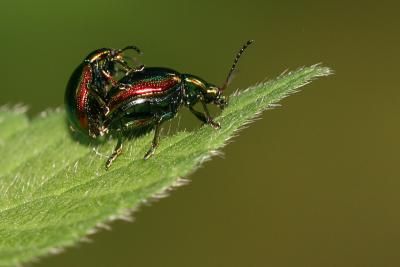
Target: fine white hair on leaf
<point>18,108</point>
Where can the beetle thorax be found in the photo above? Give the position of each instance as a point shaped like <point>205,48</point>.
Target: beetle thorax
<point>196,89</point>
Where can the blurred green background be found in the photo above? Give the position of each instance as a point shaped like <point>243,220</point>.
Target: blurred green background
<point>314,183</point>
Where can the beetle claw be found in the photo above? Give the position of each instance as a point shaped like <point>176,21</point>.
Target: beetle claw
<point>123,86</point>
<point>106,111</point>
<point>72,128</point>
<point>137,69</point>
<point>149,153</point>
<point>215,124</point>
<point>103,130</point>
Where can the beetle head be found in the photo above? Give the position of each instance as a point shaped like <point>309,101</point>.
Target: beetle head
<point>105,58</point>
<point>198,89</point>
<point>109,54</point>
<point>100,55</point>
<point>103,64</point>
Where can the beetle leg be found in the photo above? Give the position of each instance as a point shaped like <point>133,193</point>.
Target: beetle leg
<point>109,77</point>
<point>127,68</point>
<point>156,137</point>
<point>123,86</point>
<point>100,101</point>
<point>198,115</point>
<point>117,151</point>
<point>135,61</point>
<point>154,143</point>
<point>135,69</point>
<point>210,120</point>
<point>206,118</point>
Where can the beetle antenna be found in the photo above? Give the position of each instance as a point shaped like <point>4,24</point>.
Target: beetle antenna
<point>132,47</point>
<point>238,55</point>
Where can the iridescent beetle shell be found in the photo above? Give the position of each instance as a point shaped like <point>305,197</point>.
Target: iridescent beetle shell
<point>155,95</point>
<point>87,87</point>
<point>83,111</point>
<point>154,92</point>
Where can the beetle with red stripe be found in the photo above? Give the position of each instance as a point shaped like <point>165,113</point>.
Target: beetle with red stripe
<point>154,95</point>
<point>88,85</point>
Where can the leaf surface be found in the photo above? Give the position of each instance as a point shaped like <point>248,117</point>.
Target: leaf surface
<point>55,190</point>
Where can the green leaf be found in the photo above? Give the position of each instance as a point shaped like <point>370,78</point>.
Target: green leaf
<point>55,190</point>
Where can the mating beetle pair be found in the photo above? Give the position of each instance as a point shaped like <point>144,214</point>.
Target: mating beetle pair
<point>88,86</point>
<point>99,101</point>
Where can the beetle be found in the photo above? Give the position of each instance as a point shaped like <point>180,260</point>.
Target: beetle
<point>154,95</point>
<point>88,86</point>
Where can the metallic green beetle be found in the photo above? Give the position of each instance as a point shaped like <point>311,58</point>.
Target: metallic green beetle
<point>149,97</point>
